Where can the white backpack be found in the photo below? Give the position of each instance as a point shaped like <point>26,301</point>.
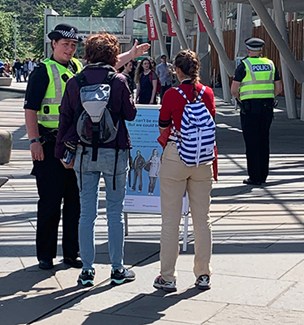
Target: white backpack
<point>196,140</point>
<point>95,125</point>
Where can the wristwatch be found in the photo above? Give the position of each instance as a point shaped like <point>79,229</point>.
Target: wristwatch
<point>34,140</point>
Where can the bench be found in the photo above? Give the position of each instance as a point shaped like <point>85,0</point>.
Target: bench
<point>5,146</point>
<point>5,81</point>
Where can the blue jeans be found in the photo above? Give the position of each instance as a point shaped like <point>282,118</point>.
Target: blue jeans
<point>88,174</point>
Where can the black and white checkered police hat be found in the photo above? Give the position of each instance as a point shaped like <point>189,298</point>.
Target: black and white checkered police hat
<point>254,43</point>
<point>64,31</point>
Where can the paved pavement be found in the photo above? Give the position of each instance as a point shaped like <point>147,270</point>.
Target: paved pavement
<point>258,254</point>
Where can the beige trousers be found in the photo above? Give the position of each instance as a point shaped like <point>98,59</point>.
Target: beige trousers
<point>175,179</point>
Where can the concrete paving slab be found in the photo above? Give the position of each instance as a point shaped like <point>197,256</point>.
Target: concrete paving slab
<point>72,317</point>
<point>291,299</point>
<point>25,308</point>
<point>295,273</point>
<point>9,264</point>
<point>175,308</point>
<point>66,282</point>
<point>264,265</point>
<point>100,299</point>
<point>244,290</point>
<point>241,315</point>
<point>29,282</point>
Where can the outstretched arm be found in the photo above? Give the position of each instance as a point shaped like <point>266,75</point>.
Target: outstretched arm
<point>136,51</point>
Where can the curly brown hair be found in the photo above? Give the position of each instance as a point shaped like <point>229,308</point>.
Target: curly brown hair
<point>101,47</point>
<point>188,61</point>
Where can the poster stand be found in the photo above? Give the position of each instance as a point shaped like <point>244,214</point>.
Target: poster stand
<point>143,193</point>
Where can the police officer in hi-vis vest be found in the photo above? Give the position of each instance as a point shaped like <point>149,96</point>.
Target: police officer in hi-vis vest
<point>55,183</point>
<point>56,180</point>
<point>255,84</point>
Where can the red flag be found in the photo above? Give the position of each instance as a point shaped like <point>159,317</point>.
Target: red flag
<point>152,32</point>
<point>171,30</point>
<point>206,4</point>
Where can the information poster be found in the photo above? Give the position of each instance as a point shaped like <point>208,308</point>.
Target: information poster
<point>143,193</point>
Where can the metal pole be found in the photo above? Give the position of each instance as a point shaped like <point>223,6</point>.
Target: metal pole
<point>243,29</point>
<point>219,33</point>
<point>229,65</point>
<point>158,28</point>
<point>181,18</point>
<point>180,36</point>
<point>288,79</point>
<point>296,67</point>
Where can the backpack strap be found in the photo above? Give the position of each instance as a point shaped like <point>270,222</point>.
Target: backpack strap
<point>199,97</point>
<point>201,93</point>
<point>182,93</point>
<point>96,126</point>
<point>81,81</point>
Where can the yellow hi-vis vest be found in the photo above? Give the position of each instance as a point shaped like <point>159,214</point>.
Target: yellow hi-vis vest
<point>48,115</point>
<point>259,79</point>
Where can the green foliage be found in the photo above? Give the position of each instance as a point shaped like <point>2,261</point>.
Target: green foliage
<point>30,21</point>
<point>6,35</point>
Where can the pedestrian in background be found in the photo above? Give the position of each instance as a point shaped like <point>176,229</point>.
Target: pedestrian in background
<point>17,68</point>
<point>255,84</point>
<point>164,71</point>
<point>127,71</point>
<point>176,178</point>
<point>146,81</point>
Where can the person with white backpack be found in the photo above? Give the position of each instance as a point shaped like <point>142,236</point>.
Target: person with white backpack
<point>188,111</point>
<point>93,99</point>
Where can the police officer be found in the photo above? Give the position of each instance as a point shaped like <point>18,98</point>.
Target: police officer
<point>55,183</point>
<point>256,83</point>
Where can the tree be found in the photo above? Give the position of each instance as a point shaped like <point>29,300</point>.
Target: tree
<point>6,35</point>
<point>38,41</point>
<point>106,8</point>
<point>30,20</point>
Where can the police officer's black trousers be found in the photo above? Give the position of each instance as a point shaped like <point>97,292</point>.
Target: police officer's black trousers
<point>56,185</point>
<point>256,118</point>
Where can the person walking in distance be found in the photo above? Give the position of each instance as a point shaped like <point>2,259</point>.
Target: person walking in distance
<point>176,177</point>
<point>255,84</point>
<point>164,71</point>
